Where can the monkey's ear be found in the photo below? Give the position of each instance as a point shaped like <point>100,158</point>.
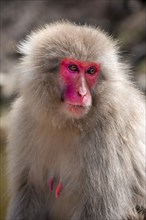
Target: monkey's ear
<point>53,65</point>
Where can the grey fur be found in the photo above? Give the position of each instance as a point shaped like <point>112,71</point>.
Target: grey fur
<point>100,158</point>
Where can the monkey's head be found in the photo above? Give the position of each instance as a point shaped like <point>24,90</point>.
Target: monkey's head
<point>63,67</point>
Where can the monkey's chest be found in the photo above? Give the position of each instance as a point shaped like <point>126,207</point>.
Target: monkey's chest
<point>60,174</point>
<point>64,188</point>
<point>64,206</point>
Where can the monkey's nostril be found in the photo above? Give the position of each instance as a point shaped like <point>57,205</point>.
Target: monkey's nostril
<point>81,94</point>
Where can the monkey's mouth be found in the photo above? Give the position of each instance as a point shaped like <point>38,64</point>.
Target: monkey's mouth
<point>76,110</point>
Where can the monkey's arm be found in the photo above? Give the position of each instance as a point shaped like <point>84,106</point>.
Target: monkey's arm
<point>27,205</point>
<point>27,201</point>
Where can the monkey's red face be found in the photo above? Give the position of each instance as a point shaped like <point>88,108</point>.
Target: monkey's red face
<point>78,78</point>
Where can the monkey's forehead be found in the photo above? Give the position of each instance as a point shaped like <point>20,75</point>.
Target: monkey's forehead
<point>60,40</point>
<point>68,40</point>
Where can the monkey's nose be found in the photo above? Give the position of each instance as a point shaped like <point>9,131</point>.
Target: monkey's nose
<point>82,90</point>
<point>82,87</point>
<point>81,94</point>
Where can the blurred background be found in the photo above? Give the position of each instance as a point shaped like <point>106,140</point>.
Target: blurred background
<point>123,19</point>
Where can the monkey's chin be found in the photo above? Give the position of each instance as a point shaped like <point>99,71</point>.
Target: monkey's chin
<point>76,111</point>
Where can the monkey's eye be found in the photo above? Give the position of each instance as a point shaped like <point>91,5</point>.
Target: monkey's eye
<point>91,70</point>
<point>73,68</point>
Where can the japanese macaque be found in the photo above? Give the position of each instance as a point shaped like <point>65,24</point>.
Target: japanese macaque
<point>76,140</point>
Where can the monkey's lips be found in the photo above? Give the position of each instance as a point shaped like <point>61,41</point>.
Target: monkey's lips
<point>76,110</point>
